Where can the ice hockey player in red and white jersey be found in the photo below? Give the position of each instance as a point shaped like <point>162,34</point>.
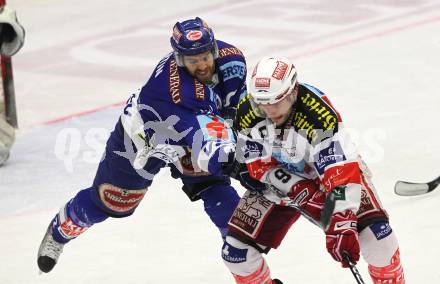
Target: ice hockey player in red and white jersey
<point>295,147</point>
<point>11,40</point>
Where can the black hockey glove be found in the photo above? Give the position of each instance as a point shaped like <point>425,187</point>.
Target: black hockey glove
<point>229,113</point>
<point>238,171</point>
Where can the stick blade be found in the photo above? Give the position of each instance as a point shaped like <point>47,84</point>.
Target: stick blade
<point>404,188</point>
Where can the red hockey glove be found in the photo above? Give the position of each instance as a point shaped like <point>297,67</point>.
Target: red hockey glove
<point>342,237</point>
<point>285,187</point>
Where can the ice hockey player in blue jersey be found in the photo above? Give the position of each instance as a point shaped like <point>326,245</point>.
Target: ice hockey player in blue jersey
<point>177,119</point>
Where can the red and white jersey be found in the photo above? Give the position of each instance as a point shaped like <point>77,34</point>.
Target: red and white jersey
<point>312,144</point>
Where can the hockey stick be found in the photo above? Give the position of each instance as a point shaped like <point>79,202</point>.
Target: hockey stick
<point>405,188</point>
<point>353,269</point>
<point>327,212</point>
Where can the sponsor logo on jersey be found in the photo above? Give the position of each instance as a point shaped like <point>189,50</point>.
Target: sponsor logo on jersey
<point>295,165</point>
<point>369,204</point>
<point>251,150</point>
<point>331,155</point>
<point>214,128</point>
<point>250,213</point>
<point>217,129</point>
<point>227,51</point>
<point>199,90</point>
<point>339,192</point>
<point>174,82</point>
<point>314,118</point>
<point>263,83</point>
<point>233,254</point>
<point>345,225</point>
<point>341,175</point>
<point>381,230</point>
<point>246,116</point>
<point>233,69</point>
<point>280,70</point>
<point>246,120</point>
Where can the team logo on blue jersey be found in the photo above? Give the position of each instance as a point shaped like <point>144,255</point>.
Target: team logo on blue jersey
<point>233,254</point>
<point>381,230</point>
<point>233,69</point>
<point>331,155</point>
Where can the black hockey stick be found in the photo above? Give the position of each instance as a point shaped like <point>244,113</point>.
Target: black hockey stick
<point>405,188</point>
<point>353,269</point>
<point>326,214</point>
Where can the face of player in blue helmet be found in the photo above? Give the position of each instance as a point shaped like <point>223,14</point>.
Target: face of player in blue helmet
<point>195,48</point>
<point>200,66</point>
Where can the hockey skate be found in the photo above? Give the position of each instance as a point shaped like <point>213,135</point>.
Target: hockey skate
<point>49,251</point>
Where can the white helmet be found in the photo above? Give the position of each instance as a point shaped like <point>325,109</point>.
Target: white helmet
<point>272,80</point>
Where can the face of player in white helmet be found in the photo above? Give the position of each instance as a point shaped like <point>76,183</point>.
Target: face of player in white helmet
<point>279,112</point>
<point>201,66</point>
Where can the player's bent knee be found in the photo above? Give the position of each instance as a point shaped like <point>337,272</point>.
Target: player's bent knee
<point>219,202</point>
<point>240,258</point>
<point>118,202</point>
<point>378,244</point>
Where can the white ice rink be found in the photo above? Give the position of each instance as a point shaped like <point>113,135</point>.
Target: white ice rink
<point>378,62</point>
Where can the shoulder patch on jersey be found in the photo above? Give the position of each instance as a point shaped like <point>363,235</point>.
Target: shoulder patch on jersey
<point>314,118</point>
<point>174,80</point>
<point>331,155</point>
<point>227,51</point>
<point>247,116</point>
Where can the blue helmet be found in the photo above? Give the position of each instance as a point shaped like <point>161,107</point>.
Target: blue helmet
<point>192,37</point>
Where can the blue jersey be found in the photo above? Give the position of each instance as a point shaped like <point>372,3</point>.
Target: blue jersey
<point>175,108</point>
<point>171,108</point>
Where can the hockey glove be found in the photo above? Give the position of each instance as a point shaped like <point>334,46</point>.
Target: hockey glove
<point>284,186</point>
<point>239,171</point>
<point>342,237</point>
<point>187,167</point>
